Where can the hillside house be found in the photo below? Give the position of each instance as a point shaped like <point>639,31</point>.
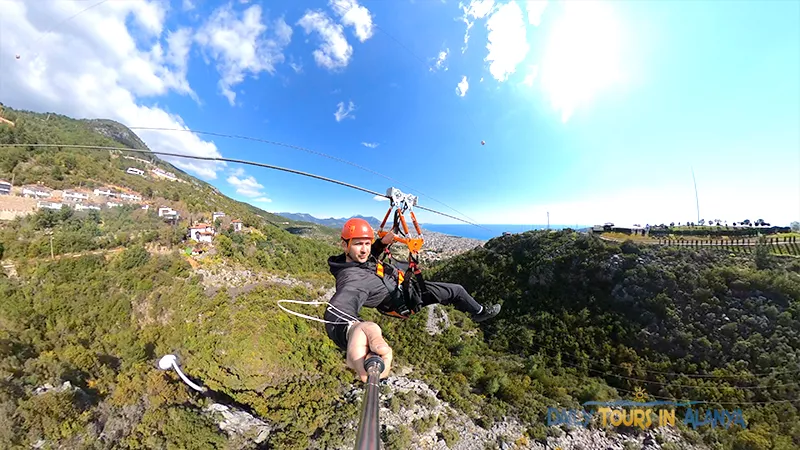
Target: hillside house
<point>113,204</point>
<point>165,211</point>
<point>164,174</point>
<point>36,192</point>
<point>107,192</point>
<point>131,197</point>
<point>169,214</point>
<point>135,171</point>
<point>201,232</point>
<point>85,206</point>
<point>5,187</point>
<point>217,215</point>
<point>75,196</point>
<point>49,205</point>
<point>237,224</point>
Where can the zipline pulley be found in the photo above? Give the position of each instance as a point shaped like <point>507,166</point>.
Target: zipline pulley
<point>401,203</point>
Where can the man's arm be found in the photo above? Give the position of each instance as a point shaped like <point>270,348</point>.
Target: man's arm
<point>345,305</point>
<point>380,244</point>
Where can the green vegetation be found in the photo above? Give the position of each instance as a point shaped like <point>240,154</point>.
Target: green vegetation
<point>585,318</point>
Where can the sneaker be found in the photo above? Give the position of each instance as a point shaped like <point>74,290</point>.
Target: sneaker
<point>488,313</point>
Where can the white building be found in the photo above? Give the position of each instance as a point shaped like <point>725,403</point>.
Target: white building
<point>5,187</point>
<point>165,211</point>
<point>113,204</point>
<point>36,191</point>
<point>217,215</point>
<point>237,224</point>
<point>76,197</point>
<point>82,207</point>
<point>135,171</point>
<point>201,232</point>
<point>131,197</point>
<point>164,174</point>
<point>49,205</point>
<point>105,192</point>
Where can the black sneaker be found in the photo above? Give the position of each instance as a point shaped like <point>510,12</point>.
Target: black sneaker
<point>488,313</point>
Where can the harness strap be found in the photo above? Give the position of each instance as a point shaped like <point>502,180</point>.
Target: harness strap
<point>401,303</point>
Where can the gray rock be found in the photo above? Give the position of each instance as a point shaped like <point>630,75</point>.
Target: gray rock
<point>239,423</point>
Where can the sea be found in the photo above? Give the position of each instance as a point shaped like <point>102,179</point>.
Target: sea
<point>490,231</point>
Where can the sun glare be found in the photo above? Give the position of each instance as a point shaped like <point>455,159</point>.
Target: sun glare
<point>581,56</point>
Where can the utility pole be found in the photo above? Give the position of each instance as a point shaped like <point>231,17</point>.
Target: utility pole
<point>548,220</point>
<point>696,198</point>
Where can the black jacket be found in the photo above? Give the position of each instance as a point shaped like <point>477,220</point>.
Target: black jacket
<point>357,285</point>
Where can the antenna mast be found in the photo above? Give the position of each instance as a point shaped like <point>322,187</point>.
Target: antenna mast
<point>696,198</point>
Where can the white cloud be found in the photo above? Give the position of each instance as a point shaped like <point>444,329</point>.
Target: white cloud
<point>262,200</point>
<point>582,56</point>
<point>535,10</point>
<point>440,60</point>
<point>94,66</point>
<point>342,113</point>
<point>334,52</point>
<point>477,9</point>
<point>462,87</point>
<point>247,186</point>
<point>238,45</point>
<point>370,144</point>
<point>188,5</point>
<point>531,76</point>
<point>507,42</point>
<point>354,15</point>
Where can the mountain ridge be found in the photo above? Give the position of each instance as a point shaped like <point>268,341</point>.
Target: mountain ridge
<point>328,222</point>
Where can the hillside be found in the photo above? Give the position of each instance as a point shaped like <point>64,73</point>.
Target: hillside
<point>679,323</point>
<point>77,168</point>
<point>93,298</point>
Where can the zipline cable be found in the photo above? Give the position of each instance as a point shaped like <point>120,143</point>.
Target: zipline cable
<point>304,149</point>
<point>238,161</point>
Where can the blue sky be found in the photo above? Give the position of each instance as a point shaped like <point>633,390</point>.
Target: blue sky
<point>592,111</point>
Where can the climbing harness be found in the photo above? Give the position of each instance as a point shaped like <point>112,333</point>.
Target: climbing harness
<point>407,298</point>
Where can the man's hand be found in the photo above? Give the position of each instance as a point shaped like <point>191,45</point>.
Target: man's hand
<point>366,337</point>
<point>388,238</point>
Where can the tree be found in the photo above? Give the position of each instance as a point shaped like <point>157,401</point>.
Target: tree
<point>796,226</point>
<point>762,257</point>
<point>225,245</point>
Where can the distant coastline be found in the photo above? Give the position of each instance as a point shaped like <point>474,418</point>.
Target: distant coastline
<point>494,230</point>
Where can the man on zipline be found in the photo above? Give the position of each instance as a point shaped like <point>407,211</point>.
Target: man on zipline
<point>361,280</point>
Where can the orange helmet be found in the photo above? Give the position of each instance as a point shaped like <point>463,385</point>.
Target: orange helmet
<point>357,228</point>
